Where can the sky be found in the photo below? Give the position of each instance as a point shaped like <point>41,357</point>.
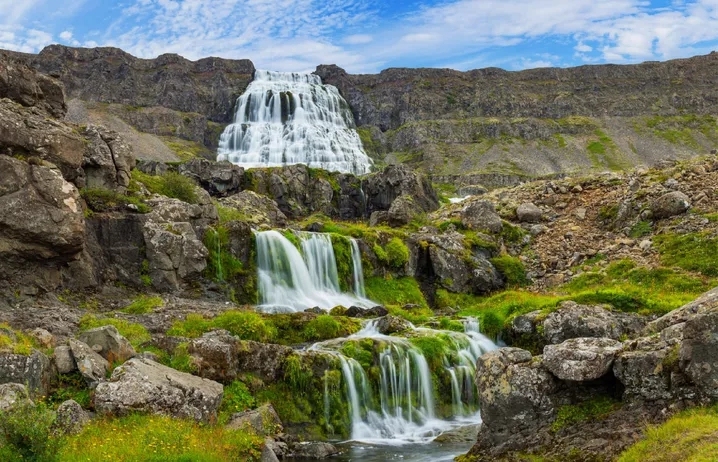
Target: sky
<point>366,36</point>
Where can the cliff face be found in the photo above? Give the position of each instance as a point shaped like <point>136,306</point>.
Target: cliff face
<point>209,86</point>
<point>395,97</point>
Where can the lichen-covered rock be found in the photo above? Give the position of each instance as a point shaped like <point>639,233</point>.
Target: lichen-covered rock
<point>572,320</point>
<point>219,179</point>
<point>13,395</point>
<point>670,204</point>
<point>706,302</point>
<point>529,213</point>
<point>113,346</point>
<point>264,421</point>
<point>142,385</point>
<point>215,355</point>
<point>71,418</point>
<point>256,209</point>
<point>64,361</point>
<point>265,360</point>
<point>699,353</point>
<point>92,366</point>
<point>581,359</point>
<point>389,324</point>
<point>481,215</point>
<point>514,398</point>
<point>645,367</point>
<point>33,370</point>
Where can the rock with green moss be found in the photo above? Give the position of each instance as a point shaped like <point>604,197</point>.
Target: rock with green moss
<point>256,209</point>
<point>264,421</point>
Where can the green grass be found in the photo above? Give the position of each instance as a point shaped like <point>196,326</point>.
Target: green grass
<point>104,200</point>
<point>135,333</point>
<point>13,341</point>
<point>237,398</point>
<point>322,327</point>
<point>247,325</point>
<point>71,386</point>
<point>143,304</point>
<point>594,409</point>
<point>159,438</point>
<point>692,252</point>
<point>25,434</point>
<point>227,214</point>
<point>512,269</point>
<point>641,229</point>
<point>691,436</point>
<point>395,291</point>
<point>185,150</point>
<point>171,184</point>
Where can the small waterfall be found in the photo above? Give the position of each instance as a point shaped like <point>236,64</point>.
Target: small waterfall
<point>293,281</point>
<point>290,118</point>
<point>357,270</point>
<point>405,410</point>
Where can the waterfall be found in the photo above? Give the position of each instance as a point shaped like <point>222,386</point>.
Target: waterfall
<point>405,410</point>
<point>357,270</point>
<point>292,281</point>
<point>289,118</point>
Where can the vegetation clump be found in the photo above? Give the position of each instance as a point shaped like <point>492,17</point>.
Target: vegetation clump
<point>143,304</point>
<point>135,333</point>
<point>593,409</point>
<point>171,184</point>
<point>104,200</point>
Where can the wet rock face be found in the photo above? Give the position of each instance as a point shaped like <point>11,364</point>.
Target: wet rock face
<point>142,385</point>
<point>581,359</point>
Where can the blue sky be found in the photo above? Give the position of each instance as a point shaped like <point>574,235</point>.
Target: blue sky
<point>365,36</point>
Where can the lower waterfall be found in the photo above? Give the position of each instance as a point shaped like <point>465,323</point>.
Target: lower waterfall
<point>393,400</point>
<point>290,280</point>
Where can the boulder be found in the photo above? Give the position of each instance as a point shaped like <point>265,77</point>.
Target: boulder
<point>581,359</point>
<point>703,304</point>
<point>92,366</point>
<point>402,211</point>
<point>71,418</point>
<point>256,209</point>
<point>142,385</point>
<point>357,312</point>
<point>113,346</point>
<point>43,337</point>
<point>264,421</point>
<point>572,320</point>
<point>481,215</point>
<point>64,361</point>
<point>313,450</point>
<point>215,356</point>
<point>645,367</point>
<point>265,360</point>
<point>528,212</point>
<point>515,398</point>
<point>699,353</point>
<point>13,395</point>
<point>670,204</point>
<point>268,454</point>
<point>389,324</point>
<point>33,370</point>
<point>219,179</point>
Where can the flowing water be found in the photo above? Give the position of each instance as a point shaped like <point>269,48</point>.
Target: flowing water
<point>290,280</point>
<point>291,118</point>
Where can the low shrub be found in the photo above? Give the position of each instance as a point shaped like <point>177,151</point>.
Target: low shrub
<point>26,434</point>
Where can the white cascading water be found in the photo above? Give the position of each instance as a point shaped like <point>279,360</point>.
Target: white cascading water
<point>405,409</point>
<point>291,281</point>
<point>357,269</point>
<point>290,118</point>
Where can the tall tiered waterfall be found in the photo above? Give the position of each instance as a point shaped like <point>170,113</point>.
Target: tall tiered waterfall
<point>393,400</point>
<point>294,281</point>
<point>289,118</point>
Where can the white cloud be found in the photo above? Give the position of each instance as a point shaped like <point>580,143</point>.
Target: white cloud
<point>358,39</point>
<point>66,35</point>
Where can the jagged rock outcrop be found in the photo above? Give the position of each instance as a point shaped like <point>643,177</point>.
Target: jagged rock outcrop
<point>572,320</point>
<point>209,86</point>
<point>20,83</point>
<point>142,385</point>
<point>91,365</point>
<point>107,161</point>
<point>382,189</point>
<point>256,209</point>
<point>219,179</point>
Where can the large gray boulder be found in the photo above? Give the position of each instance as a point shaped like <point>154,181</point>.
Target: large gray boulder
<point>108,342</point>
<point>215,356</point>
<point>572,320</point>
<point>13,395</point>
<point>64,361</point>
<point>515,398</point>
<point>703,304</point>
<point>71,418</point>
<point>581,359</point>
<point>481,215</point>
<point>33,370</point>
<point>263,421</point>
<point>142,385</point>
<point>92,366</point>
<point>529,213</point>
<point>670,204</point>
